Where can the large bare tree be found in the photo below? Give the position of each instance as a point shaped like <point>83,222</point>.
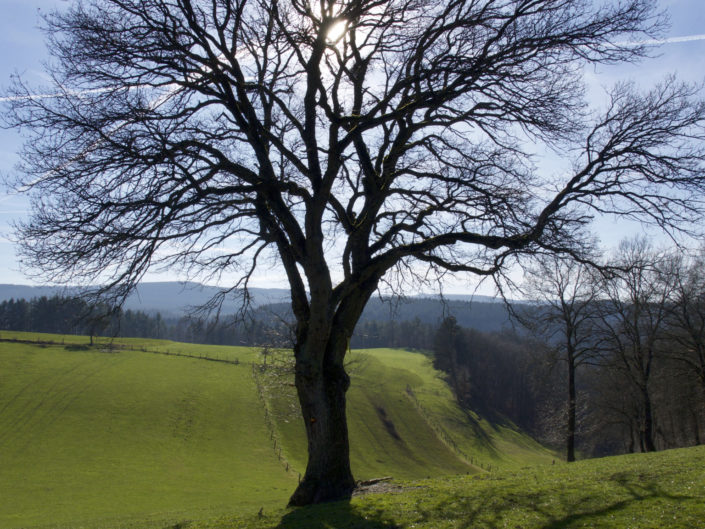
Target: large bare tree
<point>349,139</point>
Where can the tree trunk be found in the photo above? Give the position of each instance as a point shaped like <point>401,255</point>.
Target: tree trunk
<point>321,387</point>
<point>648,445</point>
<point>570,442</point>
<point>323,334</point>
<point>703,407</point>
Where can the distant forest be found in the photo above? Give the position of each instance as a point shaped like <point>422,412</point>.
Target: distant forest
<point>385,323</point>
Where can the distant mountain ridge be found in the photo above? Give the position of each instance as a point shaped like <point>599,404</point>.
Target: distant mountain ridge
<point>168,297</point>
<point>173,299</point>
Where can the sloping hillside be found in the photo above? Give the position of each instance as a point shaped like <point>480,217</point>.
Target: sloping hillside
<point>404,422</point>
<point>151,432</point>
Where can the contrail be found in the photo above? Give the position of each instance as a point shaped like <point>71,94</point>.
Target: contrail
<point>75,93</point>
<point>688,38</point>
<point>669,40</point>
<point>171,90</point>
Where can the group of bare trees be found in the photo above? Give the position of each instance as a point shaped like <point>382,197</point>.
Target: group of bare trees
<point>629,337</point>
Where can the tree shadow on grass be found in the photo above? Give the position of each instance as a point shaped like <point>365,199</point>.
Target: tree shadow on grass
<point>637,489</point>
<point>485,440</point>
<point>503,503</point>
<point>334,515</point>
<point>555,509</point>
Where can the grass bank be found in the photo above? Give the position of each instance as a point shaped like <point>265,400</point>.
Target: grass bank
<point>404,422</point>
<point>664,490</point>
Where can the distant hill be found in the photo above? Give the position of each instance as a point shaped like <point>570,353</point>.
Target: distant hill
<point>482,315</point>
<point>173,299</point>
<point>169,297</point>
<point>476,298</point>
<point>181,297</point>
<point>28,292</point>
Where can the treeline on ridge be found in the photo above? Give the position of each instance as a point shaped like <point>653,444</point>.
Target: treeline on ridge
<point>265,325</point>
<point>407,323</point>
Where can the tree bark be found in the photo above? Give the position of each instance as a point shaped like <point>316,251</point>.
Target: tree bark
<point>632,444</point>
<point>703,410</point>
<point>649,445</point>
<point>570,442</point>
<point>702,387</point>
<point>321,388</point>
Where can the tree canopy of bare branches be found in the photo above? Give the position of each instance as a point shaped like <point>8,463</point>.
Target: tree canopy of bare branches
<point>349,139</point>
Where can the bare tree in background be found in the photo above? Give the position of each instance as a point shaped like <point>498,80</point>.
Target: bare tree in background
<point>687,320</point>
<point>565,317</point>
<point>347,139</point>
<point>633,322</point>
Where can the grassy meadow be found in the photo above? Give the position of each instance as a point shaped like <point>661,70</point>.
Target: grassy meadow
<point>663,490</point>
<point>139,433</point>
<point>91,437</point>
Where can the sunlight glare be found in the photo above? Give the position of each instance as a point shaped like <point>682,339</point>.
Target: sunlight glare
<point>337,31</point>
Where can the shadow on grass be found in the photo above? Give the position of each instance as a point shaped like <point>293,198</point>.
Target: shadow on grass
<point>615,500</point>
<point>480,434</point>
<point>554,509</point>
<point>335,515</point>
<point>637,490</point>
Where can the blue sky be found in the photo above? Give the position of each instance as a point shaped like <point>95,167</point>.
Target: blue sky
<point>23,51</point>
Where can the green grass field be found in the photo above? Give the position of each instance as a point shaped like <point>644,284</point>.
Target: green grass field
<point>664,490</point>
<point>93,437</point>
<point>148,433</point>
